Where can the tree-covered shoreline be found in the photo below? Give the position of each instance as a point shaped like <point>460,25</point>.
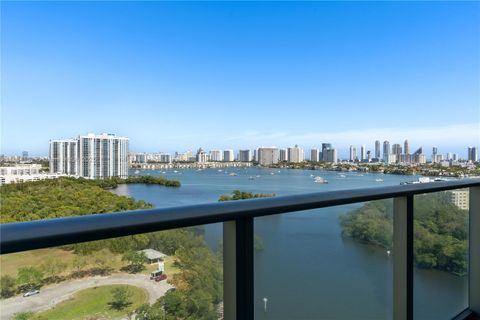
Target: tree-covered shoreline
<point>68,196</point>
<point>440,232</point>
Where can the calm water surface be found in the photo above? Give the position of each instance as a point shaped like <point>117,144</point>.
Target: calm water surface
<point>307,270</point>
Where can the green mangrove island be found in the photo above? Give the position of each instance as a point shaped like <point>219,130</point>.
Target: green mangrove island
<point>440,230</point>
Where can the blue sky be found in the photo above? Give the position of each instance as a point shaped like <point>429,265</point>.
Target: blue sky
<point>176,76</point>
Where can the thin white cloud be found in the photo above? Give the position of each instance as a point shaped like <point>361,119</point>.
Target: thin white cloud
<point>451,135</point>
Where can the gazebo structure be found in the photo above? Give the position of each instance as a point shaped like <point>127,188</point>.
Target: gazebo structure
<point>153,256</point>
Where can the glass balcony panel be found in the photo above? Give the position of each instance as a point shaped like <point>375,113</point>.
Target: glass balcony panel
<point>178,273</point>
<point>440,254</point>
<point>306,269</point>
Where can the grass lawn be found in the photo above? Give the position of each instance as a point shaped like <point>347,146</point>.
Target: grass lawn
<point>93,302</point>
<point>170,268</point>
<point>10,263</point>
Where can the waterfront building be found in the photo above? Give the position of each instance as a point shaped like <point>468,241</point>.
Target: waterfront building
<point>330,155</point>
<point>326,146</point>
<point>445,163</point>
<point>295,154</point>
<point>406,147</point>
<point>460,198</point>
<point>202,156</point>
<point>363,153</point>
<point>165,158</point>
<point>283,155</point>
<point>182,157</point>
<point>63,156</point>
<point>353,153</point>
<point>91,156</point>
<point>189,155</point>
<point>405,157</point>
<point>268,155</point>
<point>377,149</point>
<point>389,158</point>
<point>131,157</point>
<point>314,155</point>
<point>141,158</point>
<point>472,154</point>
<point>244,156</point>
<point>216,155</point>
<point>397,151</point>
<point>418,156</point>
<point>386,151</point>
<point>102,156</point>
<point>437,158</point>
<point>228,155</point>
<point>24,173</point>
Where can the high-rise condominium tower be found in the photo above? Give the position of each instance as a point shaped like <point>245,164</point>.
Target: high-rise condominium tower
<point>91,156</point>
<point>377,149</point>
<point>268,156</point>
<point>228,155</point>
<point>406,147</point>
<point>244,156</point>
<point>363,153</point>
<point>386,151</point>
<point>353,153</point>
<point>216,155</point>
<point>472,154</point>
<point>103,156</point>
<point>295,154</point>
<point>63,155</point>
<point>314,155</point>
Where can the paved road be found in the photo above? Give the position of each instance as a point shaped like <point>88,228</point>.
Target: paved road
<point>51,295</point>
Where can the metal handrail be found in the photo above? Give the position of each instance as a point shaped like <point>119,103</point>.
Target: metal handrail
<point>22,236</point>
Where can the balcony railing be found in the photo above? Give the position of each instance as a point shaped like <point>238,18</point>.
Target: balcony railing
<point>238,237</point>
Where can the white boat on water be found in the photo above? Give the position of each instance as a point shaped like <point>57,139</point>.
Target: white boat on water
<point>137,172</point>
<point>233,174</point>
<point>175,171</point>
<point>319,179</point>
<point>423,180</point>
<point>343,176</point>
<point>379,180</point>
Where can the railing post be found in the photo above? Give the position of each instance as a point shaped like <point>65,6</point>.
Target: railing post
<point>474,250</point>
<point>403,258</point>
<point>238,269</point>
<point>229,271</point>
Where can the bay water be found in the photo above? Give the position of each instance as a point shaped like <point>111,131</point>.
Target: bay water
<point>307,270</point>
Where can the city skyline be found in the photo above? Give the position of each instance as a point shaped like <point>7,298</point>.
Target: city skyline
<point>344,151</point>
<point>172,76</point>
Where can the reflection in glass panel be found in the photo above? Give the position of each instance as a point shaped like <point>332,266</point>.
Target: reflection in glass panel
<point>440,254</point>
<point>306,268</point>
<point>169,273</point>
